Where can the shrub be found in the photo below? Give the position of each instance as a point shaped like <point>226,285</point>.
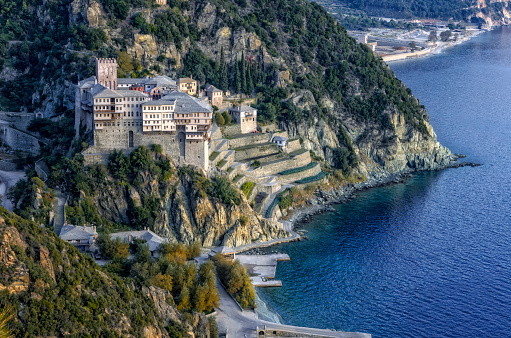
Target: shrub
<point>227,117</point>
<point>247,187</point>
<point>285,202</point>
<point>236,281</point>
<point>225,191</point>
<point>219,119</point>
<point>256,164</point>
<point>157,148</point>
<point>244,220</point>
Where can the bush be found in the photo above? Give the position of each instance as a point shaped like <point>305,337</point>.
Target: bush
<point>236,281</point>
<point>225,191</point>
<point>247,187</point>
<point>157,148</point>
<point>112,249</point>
<point>219,119</point>
<point>227,117</point>
<point>285,202</point>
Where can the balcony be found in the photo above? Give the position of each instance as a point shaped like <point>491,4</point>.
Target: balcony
<point>104,111</point>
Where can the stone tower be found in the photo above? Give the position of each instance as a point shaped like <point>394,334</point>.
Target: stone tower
<point>106,72</point>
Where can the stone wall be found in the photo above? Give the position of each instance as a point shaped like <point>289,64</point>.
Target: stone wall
<point>293,145</point>
<point>19,140</point>
<point>8,165</point>
<point>197,153</point>
<point>271,333</point>
<point>231,130</point>
<point>300,175</point>
<point>19,120</point>
<point>194,152</point>
<point>249,139</point>
<point>248,125</point>
<point>261,150</point>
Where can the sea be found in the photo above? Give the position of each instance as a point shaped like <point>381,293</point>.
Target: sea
<point>430,257</point>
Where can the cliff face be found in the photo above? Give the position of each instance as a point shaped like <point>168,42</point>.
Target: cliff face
<point>185,212</point>
<point>381,153</point>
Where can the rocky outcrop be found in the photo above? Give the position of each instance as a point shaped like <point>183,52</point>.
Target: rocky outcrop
<point>17,278</point>
<point>186,213</point>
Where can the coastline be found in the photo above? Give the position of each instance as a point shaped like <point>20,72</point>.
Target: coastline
<point>437,49</point>
<point>324,203</point>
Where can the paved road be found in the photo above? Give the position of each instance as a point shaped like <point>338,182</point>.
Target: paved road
<point>239,323</point>
<point>7,180</point>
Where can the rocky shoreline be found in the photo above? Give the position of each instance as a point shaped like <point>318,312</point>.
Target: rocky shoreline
<point>324,200</point>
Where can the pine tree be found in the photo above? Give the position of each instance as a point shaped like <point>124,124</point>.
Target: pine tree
<point>184,299</point>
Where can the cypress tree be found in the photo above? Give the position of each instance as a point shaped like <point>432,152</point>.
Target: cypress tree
<point>243,71</point>
<point>250,81</point>
<point>224,76</point>
<point>237,78</point>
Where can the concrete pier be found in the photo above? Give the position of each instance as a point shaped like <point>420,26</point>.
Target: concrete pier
<point>262,268</point>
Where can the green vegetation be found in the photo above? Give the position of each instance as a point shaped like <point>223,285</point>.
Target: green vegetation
<point>221,163</point>
<point>247,187</point>
<point>213,155</point>
<point>286,200</point>
<point>256,164</point>
<point>6,314</point>
<point>299,169</point>
<point>219,118</point>
<point>275,202</point>
<point>456,9</point>
<point>227,117</point>
<point>65,302</point>
<point>192,287</point>
<point>312,178</point>
<point>234,277</point>
<point>112,249</point>
<point>31,199</point>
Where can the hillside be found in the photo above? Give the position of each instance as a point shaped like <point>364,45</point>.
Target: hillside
<point>57,291</point>
<point>468,10</point>
<point>307,73</point>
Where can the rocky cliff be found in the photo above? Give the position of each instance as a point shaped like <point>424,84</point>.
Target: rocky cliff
<point>187,207</point>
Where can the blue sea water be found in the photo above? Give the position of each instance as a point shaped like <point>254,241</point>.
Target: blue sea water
<point>432,257</point>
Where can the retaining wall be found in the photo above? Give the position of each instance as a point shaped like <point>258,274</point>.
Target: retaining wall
<point>298,176</point>
<point>261,150</point>
<point>248,139</point>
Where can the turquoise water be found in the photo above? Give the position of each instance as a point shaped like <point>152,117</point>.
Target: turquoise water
<point>432,257</point>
